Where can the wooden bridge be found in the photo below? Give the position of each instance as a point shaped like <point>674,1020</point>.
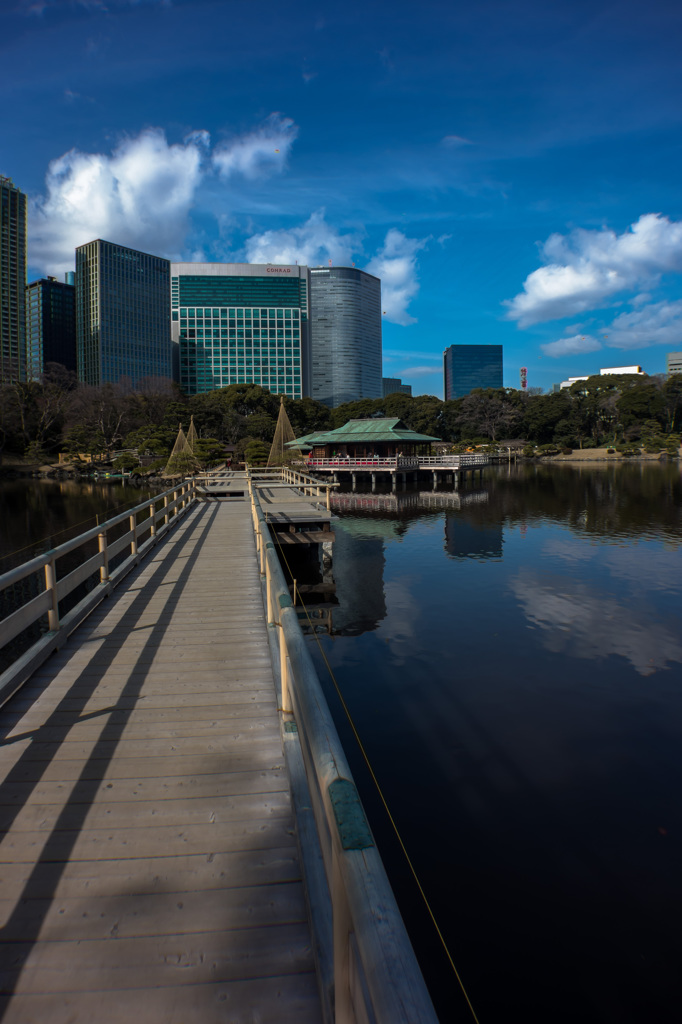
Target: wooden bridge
<point>182,837</point>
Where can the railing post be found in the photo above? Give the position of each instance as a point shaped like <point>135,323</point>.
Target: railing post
<point>269,589</point>
<point>284,671</point>
<point>103,550</point>
<point>328,500</point>
<point>133,530</point>
<point>152,512</point>
<point>51,586</point>
<point>165,510</point>
<point>175,504</point>
<point>342,926</point>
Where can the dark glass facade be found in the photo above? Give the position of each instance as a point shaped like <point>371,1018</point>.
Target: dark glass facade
<point>238,323</point>
<point>345,335</point>
<point>12,282</point>
<point>466,367</point>
<point>122,314</point>
<point>50,325</point>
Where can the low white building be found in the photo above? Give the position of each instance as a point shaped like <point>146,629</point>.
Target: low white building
<point>607,370</point>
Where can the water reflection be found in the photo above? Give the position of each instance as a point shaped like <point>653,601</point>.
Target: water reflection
<point>37,515</point>
<point>577,620</point>
<point>511,658</point>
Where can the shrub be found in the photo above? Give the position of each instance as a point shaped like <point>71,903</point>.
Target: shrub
<point>126,463</point>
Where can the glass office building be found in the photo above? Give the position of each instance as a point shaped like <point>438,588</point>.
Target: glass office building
<point>345,335</point>
<point>241,323</point>
<point>12,282</point>
<point>122,314</point>
<point>466,367</point>
<point>50,325</point>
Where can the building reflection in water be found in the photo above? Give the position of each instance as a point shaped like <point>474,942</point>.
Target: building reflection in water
<point>467,538</point>
<point>346,595</point>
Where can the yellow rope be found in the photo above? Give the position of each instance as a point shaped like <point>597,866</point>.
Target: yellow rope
<point>381,796</point>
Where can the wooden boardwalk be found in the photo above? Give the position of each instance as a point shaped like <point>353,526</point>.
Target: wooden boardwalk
<point>149,868</point>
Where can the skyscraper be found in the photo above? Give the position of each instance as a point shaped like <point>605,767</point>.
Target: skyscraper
<point>122,314</point>
<point>240,323</point>
<point>50,325</point>
<point>466,367</point>
<point>12,282</point>
<point>345,335</point>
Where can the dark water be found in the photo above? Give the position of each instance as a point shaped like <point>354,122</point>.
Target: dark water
<point>38,515</point>
<point>513,665</point>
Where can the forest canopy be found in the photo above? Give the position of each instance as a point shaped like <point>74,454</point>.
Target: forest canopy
<point>40,419</point>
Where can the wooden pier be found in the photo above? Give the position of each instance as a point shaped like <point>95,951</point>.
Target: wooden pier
<point>183,840</point>
<point>150,866</point>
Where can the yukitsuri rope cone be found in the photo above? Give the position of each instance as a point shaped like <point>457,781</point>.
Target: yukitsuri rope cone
<point>192,436</point>
<point>181,458</point>
<point>280,455</point>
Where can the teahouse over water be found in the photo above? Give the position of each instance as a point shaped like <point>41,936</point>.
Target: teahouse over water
<point>366,439</point>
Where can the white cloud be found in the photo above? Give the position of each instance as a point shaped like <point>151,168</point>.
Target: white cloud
<point>572,346</point>
<point>451,141</point>
<point>313,244</point>
<point>260,152</point>
<point>141,194</point>
<point>586,268</point>
<point>657,324</point>
<point>316,242</point>
<point>396,265</point>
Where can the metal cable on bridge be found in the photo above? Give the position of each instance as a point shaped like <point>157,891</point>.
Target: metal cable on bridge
<point>377,784</point>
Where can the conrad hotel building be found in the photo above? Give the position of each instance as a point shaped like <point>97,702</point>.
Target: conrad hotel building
<point>237,323</point>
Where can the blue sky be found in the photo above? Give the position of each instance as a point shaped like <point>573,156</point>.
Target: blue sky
<point>511,170</point>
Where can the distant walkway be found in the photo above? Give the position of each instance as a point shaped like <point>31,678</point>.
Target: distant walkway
<point>149,867</point>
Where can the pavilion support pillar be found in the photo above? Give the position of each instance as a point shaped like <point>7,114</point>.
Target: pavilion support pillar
<point>394,481</point>
<point>435,479</point>
<point>374,483</point>
<point>353,478</point>
<point>455,479</point>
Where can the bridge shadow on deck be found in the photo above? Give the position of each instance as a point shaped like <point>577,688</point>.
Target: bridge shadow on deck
<point>22,930</point>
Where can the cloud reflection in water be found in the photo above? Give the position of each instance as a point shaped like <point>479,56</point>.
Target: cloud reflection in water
<point>578,622</point>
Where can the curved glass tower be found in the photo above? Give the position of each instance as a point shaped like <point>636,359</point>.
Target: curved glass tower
<point>345,335</point>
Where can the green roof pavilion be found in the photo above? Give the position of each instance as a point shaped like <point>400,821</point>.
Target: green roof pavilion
<point>383,437</point>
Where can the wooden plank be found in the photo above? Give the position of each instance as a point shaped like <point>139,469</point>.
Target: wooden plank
<point>273,780</point>
<point>131,916</point>
<point>196,872</point>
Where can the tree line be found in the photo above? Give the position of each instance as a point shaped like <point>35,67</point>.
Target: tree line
<point>39,419</point>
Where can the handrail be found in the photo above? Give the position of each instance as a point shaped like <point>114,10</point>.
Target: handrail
<point>174,503</point>
<point>375,972</point>
<point>350,464</point>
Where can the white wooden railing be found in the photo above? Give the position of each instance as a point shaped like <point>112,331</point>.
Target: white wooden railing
<point>453,461</point>
<point>147,523</point>
<point>395,463</point>
<point>366,965</point>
